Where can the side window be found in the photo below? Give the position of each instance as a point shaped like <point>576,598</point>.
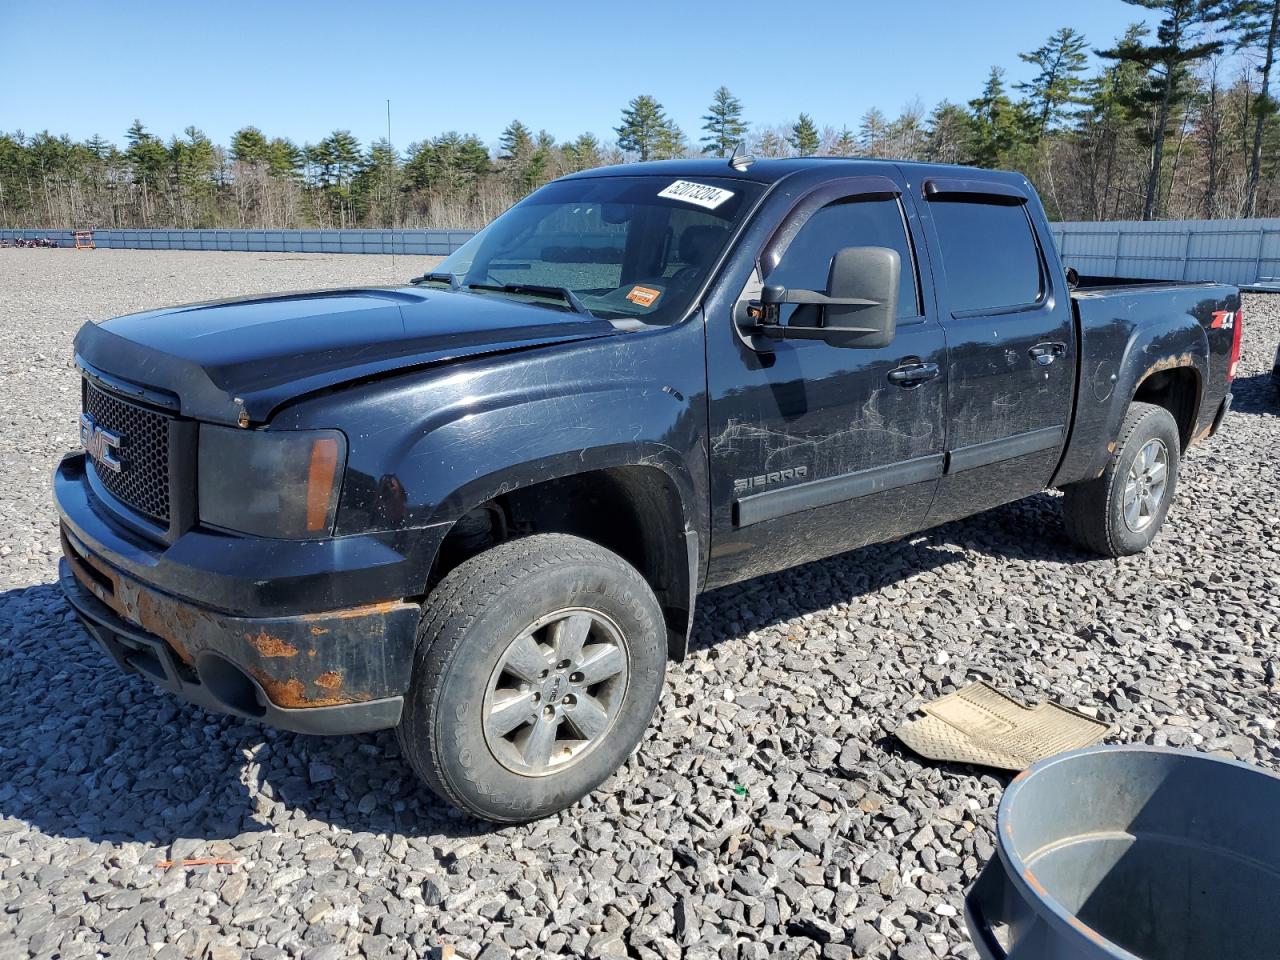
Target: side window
<point>989,254</point>
<point>853,222</point>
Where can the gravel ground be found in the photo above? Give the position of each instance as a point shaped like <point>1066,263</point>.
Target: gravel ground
<point>769,814</point>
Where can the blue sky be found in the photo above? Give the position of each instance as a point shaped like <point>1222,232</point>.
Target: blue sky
<point>302,70</point>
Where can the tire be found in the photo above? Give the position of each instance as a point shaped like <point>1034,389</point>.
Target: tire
<point>474,673</point>
<point>1095,512</point>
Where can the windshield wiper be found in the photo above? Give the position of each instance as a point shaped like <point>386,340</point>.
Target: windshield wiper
<point>448,278</point>
<point>536,290</point>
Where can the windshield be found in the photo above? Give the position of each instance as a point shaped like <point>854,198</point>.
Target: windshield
<point>621,247</point>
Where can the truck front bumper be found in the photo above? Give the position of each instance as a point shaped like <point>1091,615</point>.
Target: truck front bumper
<point>342,670</point>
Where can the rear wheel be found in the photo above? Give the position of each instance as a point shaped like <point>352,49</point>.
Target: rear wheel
<point>538,667</point>
<point>1121,511</point>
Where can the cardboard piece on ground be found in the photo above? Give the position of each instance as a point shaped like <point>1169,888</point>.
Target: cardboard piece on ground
<point>979,724</point>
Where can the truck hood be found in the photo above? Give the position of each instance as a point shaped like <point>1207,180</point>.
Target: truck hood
<point>213,360</point>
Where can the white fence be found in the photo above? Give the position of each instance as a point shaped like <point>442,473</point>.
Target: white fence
<point>1244,252</point>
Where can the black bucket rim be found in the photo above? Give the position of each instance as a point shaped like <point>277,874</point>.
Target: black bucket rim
<point>1021,876</point>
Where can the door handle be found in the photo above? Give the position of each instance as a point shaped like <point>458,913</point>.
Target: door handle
<point>913,374</point>
<point>1045,353</point>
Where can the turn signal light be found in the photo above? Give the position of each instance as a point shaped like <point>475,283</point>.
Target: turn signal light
<point>320,476</point>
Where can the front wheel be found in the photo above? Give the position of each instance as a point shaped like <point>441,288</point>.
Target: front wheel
<point>1121,511</point>
<point>538,667</point>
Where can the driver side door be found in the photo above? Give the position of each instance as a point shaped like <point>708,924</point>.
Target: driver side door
<point>817,449</point>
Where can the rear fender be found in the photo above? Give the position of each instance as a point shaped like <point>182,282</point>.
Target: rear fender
<point>1108,387</point>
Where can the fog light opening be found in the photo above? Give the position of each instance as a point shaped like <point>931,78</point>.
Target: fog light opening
<point>230,685</point>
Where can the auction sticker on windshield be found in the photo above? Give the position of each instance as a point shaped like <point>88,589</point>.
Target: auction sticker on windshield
<point>697,193</point>
<point>644,296</point>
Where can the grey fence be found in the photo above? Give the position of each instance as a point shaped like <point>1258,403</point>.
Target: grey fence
<point>409,242</point>
<point>1244,252</point>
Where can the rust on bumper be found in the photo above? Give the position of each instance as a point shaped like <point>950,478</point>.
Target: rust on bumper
<point>310,660</point>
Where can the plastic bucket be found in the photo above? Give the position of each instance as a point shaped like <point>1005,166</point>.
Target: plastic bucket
<point>1131,852</point>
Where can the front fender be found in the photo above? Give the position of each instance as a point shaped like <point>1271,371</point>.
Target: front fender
<point>426,448</point>
<point>502,454</point>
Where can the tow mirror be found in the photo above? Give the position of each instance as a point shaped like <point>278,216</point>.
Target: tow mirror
<point>858,309</point>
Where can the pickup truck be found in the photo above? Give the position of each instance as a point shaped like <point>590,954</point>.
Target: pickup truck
<point>479,507</point>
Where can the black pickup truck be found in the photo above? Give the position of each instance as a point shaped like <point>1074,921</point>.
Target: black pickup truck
<point>478,508</point>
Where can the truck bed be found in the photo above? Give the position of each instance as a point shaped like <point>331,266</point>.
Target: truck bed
<point>1085,284</point>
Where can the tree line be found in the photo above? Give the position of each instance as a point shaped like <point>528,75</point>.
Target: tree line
<point>1177,121</point>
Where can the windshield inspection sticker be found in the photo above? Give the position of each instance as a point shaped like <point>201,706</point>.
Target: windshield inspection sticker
<point>696,193</point>
<point>644,296</point>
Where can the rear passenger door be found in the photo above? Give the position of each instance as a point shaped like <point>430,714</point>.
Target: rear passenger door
<point>1011,353</point>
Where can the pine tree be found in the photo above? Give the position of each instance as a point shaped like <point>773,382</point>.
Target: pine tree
<point>340,152</point>
<point>99,147</point>
<point>872,130</point>
<point>949,135</point>
<point>1180,45</point>
<point>194,162</point>
<point>284,158</point>
<point>1107,125</point>
<point>540,160</point>
<point>146,157</point>
<point>583,153</point>
<point>249,145</point>
<point>906,135</point>
<point>804,136</point>
<point>515,143</point>
<point>337,157</point>
<point>146,154</point>
<point>998,125</point>
<point>1062,61</point>
<point>723,123</point>
<point>517,156</point>
<point>375,184</point>
<point>646,131</point>
<point>453,163</point>
<point>1257,26</point>
<point>846,144</point>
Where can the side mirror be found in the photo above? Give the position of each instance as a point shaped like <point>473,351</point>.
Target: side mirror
<point>858,309</point>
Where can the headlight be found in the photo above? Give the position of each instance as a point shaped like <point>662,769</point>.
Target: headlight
<point>271,483</point>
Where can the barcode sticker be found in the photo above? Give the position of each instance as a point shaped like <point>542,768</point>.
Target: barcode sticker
<point>696,193</point>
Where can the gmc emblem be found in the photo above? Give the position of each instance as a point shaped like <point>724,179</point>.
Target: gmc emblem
<point>102,445</point>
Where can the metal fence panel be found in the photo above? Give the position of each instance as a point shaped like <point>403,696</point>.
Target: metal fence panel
<point>1244,252</point>
<point>410,242</point>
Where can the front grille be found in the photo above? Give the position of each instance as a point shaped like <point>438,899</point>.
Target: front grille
<point>143,480</point>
